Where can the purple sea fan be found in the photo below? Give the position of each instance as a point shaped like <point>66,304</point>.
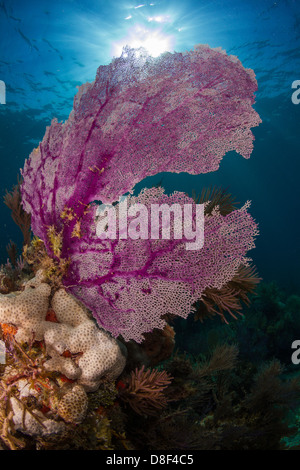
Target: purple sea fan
<point>179,112</point>
<point>129,284</point>
<point>141,116</point>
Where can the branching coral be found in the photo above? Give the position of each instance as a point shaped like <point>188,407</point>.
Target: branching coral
<point>76,333</point>
<point>221,404</point>
<point>214,196</point>
<point>229,298</point>
<point>144,391</point>
<point>224,358</point>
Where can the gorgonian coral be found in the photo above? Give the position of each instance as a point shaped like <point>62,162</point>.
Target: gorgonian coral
<point>129,284</point>
<point>143,115</point>
<point>144,390</point>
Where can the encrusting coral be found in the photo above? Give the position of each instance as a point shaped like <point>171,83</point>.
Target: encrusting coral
<point>27,310</point>
<point>73,404</point>
<point>74,334</point>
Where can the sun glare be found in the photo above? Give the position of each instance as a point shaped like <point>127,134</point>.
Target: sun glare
<point>154,41</point>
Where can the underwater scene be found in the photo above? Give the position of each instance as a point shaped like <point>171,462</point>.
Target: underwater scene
<point>149,236</point>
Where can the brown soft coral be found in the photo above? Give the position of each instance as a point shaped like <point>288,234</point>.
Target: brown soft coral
<point>12,200</point>
<point>144,390</point>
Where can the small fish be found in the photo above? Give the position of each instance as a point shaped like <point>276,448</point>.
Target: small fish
<point>25,38</point>
<point>2,5</point>
<point>15,19</point>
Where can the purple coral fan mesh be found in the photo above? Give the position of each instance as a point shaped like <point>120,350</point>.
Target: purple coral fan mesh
<point>180,112</point>
<point>130,284</point>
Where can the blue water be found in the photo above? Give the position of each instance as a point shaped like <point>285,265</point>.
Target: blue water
<point>49,48</point>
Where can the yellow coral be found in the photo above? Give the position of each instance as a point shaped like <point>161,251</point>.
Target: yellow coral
<point>95,169</point>
<point>76,233</point>
<point>67,214</point>
<point>55,240</point>
<point>104,434</point>
<point>54,269</point>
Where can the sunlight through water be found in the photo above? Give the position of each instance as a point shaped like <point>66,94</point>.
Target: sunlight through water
<point>154,41</point>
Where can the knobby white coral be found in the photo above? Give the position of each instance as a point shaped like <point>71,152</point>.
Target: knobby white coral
<point>70,403</point>
<point>34,424</point>
<point>93,353</point>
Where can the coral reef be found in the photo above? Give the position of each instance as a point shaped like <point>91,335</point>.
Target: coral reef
<point>156,348</point>
<point>144,391</point>
<point>43,408</point>
<point>74,301</point>
<point>220,403</point>
<point>92,352</point>
<point>37,259</point>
